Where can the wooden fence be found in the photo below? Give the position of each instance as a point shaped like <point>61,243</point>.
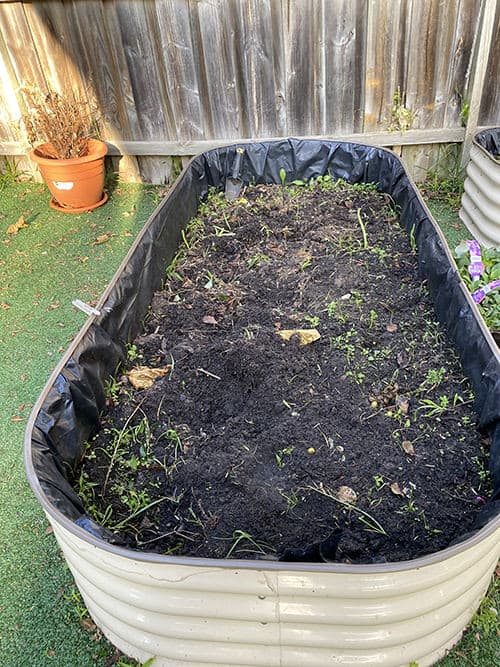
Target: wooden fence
<point>176,77</point>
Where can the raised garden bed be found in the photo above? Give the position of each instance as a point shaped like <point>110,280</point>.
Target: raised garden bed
<point>263,612</point>
<point>353,440</point>
<point>480,210</point>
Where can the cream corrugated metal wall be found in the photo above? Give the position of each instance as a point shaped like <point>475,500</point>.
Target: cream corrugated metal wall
<point>480,209</point>
<point>233,615</point>
<point>177,75</point>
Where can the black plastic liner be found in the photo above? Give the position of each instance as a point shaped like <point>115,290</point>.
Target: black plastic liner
<point>489,140</point>
<point>67,413</point>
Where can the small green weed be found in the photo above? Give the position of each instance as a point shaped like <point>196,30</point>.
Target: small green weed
<point>243,542</point>
<point>10,173</point>
<point>402,118</point>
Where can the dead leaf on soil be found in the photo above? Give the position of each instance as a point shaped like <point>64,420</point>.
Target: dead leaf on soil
<point>403,403</point>
<point>396,489</point>
<point>392,328</point>
<point>209,319</point>
<point>408,447</point>
<point>14,228</point>
<point>347,495</point>
<point>306,336</point>
<point>142,377</point>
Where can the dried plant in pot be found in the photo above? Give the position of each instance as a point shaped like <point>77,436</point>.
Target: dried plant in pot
<point>62,130</point>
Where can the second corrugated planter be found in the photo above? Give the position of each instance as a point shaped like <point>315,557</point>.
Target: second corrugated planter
<point>480,209</point>
<point>76,184</point>
<point>241,613</point>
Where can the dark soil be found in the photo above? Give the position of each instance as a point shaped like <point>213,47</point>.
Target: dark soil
<point>358,447</point>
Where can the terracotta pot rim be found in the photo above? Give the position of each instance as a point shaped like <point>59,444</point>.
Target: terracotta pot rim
<point>97,149</point>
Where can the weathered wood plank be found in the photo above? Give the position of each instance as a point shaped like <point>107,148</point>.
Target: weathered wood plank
<point>254,58</point>
<point>342,78</point>
<point>304,59</point>
<point>490,103</point>
<point>459,61</point>
<point>22,52</point>
<point>213,36</point>
<point>478,77</point>
<point>181,67</point>
<point>383,62</point>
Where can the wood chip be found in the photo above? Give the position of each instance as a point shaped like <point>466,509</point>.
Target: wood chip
<point>142,377</point>
<point>347,495</point>
<point>306,336</point>
<point>14,228</point>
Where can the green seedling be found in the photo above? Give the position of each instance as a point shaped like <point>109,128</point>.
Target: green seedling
<point>291,498</point>
<point>433,378</point>
<point>144,508</point>
<point>112,390</point>
<point>367,519</point>
<point>373,319</point>
<point>280,455</point>
<point>257,259</point>
<point>312,321</point>
<point>240,536</point>
<point>343,342</point>
<point>133,353</point>
<point>74,597</point>
<point>282,177</point>
<point>443,404</point>
<point>357,376</point>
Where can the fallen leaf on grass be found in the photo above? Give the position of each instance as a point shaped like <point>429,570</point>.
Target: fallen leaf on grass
<point>88,624</point>
<point>347,495</point>
<point>142,377</point>
<point>396,489</point>
<point>408,448</point>
<point>4,306</point>
<point>103,238</point>
<point>49,530</point>
<point>14,228</point>
<point>17,418</point>
<point>306,336</point>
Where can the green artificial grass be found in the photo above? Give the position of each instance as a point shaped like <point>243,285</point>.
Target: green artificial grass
<point>54,259</point>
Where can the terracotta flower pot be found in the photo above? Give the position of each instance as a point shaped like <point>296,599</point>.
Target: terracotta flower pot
<point>76,184</point>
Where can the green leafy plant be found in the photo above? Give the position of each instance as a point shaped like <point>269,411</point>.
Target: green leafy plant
<point>444,179</point>
<point>490,306</point>
<point>10,173</point>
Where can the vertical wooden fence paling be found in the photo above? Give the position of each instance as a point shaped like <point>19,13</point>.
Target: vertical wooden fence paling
<point>176,77</point>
